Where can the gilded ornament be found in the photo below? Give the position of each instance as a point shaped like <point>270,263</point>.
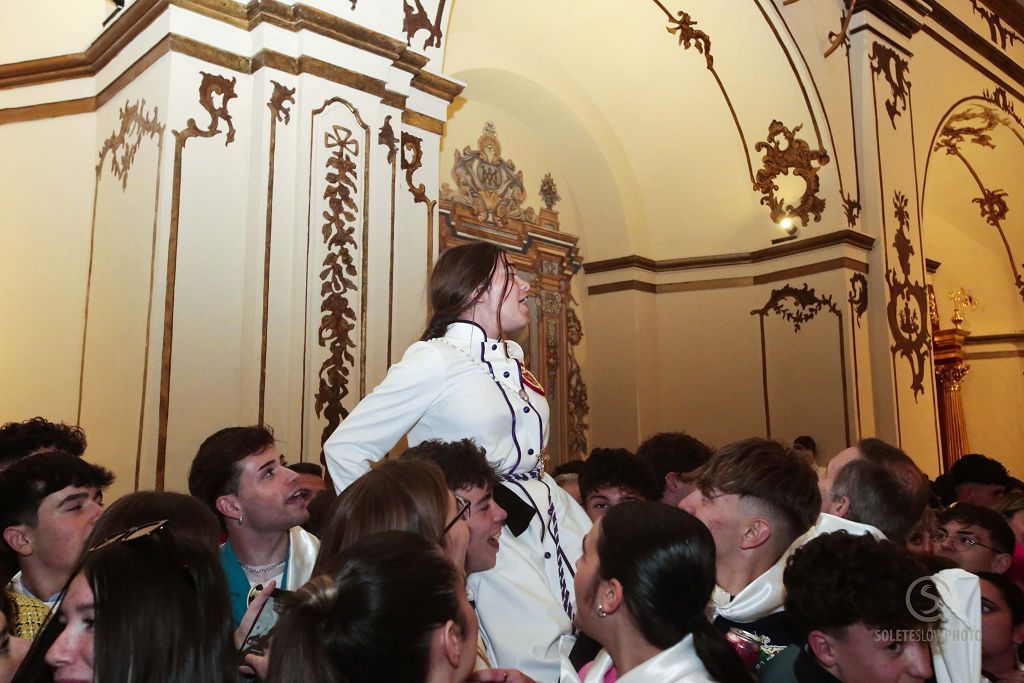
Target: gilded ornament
<point>785,152</point>
<point>893,68</point>
<point>908,302</point>
<point>124,144</point>
<point>962,300</point>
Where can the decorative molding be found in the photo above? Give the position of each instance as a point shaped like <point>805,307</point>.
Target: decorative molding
<point>842,37</point>
<point>579,405</point>
<point>892,14</point>
<point>782,156</point>
<point>280,98</point>
<point>487,183</point>
<point>907,324</point>
<point>998,33</point>
<point>140,14</point>
<point>858,296</point>
<point>1009,337</point>
<point>210,87</point>
<point>386,138</point>
<point>988,52</point>
<point>931,265</point>
<point>951,376</point>
<point>423,122</point>
<point>840,237</point>
<point>549,192</point>
<point>410,164</point>
<point>805,306</point>
<point>894,69</point>
<point>438,86</point>
<point>842,263</point>
<point>1010,12</point>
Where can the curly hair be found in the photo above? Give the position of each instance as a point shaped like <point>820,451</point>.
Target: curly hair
<point>19,439</point>
<point>616,467</point>
<point>463,463</point>
<point>837,580</point>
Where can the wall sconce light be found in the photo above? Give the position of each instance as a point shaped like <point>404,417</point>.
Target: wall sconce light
<point>790,227</point>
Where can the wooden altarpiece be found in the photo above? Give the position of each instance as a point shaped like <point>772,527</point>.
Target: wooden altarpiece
<point>486,205</point>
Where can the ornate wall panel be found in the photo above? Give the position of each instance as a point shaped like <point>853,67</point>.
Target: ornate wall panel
<point>334,378</point>
<point>119,292</point>
<point>803,346</point>
<point>486,204</point>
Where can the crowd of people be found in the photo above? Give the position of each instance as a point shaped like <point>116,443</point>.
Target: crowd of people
<point>462,559</point>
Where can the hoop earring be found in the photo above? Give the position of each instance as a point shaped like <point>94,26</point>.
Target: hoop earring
<point>600,612</point>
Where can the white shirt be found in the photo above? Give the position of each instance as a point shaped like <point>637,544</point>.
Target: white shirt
<point>465,385</point>
<point>678,664</point>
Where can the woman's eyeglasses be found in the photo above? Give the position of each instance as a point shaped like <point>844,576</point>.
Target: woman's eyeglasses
<point>462,512</point>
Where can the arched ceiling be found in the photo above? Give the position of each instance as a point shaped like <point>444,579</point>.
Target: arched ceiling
<point>658,166</point>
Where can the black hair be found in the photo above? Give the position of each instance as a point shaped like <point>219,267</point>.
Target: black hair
<point>618,468</point>
<point>571,467</point>
<point>975,468</point>
<point>372,619</point>
<point>988,519</point>
<point>673,452</point>
<point>806,443</point>
<point>20,439</point>
<point>463,463</point>
<point>214,471</point>
<point>838,579</point>
<point>187,517</point>
<point>25,484</point>
<point>665,560</point>
<point>1011,592</point>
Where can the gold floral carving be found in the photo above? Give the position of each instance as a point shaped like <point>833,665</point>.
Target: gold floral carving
<point>998,97</point>
<point>851,209</point>
<point>796,305</point>
<point>491,185</point>
<point>785,152</point>
<point>975,125</point>
<point>998,33</point>
<point>885,62</point>
<point>279,102</point>
<point>858,296</point>
<point>410,164</point>
<point>952,376</point>
<point>416,20</point>
<point>215,92</point>
<point>579,406</point>
<point>549,191</point>
<point>933,310</point>
<point>337,277</point>
<point>124,144</point>
<point>908,302</point>
<point>386,137</point>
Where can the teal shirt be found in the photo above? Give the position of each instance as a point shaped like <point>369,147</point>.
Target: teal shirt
<point>238,584</point>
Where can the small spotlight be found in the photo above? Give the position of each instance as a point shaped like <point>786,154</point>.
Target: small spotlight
<point>790,227</point>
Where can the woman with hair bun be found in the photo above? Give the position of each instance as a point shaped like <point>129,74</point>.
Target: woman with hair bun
<point>642,587</point>
<point>466,379</point>
<point>395,611</point>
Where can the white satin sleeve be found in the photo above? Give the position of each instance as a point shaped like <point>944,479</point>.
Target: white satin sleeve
<point>386,414</point>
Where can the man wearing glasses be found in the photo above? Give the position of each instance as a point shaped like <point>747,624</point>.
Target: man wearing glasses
<point>976,538</point>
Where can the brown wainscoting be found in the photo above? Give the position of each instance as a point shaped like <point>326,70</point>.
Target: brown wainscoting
<point>851,237</point>
<point>731,282</point>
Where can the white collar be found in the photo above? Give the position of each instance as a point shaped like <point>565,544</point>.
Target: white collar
<point>677,663</point>
<point>17,585</point>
